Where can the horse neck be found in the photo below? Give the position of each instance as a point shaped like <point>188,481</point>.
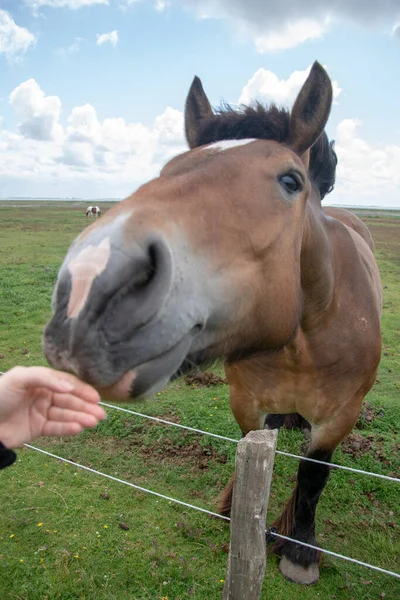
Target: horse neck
<point>317,264</point>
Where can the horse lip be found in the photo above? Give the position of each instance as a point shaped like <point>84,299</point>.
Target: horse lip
<point>146,378</point>
<point>121,389</point>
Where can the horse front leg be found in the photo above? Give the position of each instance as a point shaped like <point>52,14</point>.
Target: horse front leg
<point>299,563</point>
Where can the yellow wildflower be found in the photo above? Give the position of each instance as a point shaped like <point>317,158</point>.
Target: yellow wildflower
<point>40,524</point>
<point>11,536</point>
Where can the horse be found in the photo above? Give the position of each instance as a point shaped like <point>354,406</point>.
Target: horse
<point>93,211</point>
<point>229,254</point>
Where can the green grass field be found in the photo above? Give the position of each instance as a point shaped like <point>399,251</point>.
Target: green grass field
<point>60,527</point>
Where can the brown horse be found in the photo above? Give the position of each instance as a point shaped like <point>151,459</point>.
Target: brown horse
<point>229,254</point>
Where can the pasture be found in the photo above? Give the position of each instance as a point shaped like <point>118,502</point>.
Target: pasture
<point>68,534</point>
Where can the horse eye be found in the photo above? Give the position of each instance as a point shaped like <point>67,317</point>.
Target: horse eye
<point>291,183</point>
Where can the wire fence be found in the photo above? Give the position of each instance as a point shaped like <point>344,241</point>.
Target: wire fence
<point>228,439</point>
<point>269,532</point>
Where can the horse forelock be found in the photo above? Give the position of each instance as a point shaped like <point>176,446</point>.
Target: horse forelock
<point>270,123</point>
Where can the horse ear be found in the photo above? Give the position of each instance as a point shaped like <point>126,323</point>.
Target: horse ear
<point>311,110</point>
<point>197,108</point>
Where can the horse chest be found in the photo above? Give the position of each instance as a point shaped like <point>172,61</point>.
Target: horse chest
<point>273,383</point>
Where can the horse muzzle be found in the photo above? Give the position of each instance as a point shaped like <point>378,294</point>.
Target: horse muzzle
<point>126,314</point>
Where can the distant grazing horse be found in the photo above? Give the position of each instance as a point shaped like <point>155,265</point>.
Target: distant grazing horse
<point>228,253</point>
<point>93,211</point>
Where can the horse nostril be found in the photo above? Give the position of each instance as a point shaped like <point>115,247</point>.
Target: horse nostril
<point>148,272</point>
<point>148,279</point>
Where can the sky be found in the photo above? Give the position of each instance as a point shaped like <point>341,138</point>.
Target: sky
<point>92,92</point>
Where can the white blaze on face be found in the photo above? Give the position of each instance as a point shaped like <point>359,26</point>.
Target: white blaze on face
<point>89,263</point>
<point>227,144</point>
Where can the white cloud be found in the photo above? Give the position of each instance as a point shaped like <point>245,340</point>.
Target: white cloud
<point>74,4</point>
<point>161,5</point>
<point>118,147</point>
<point>265,86</point>
<point>112,154</point>
<point>272,25</point>
<point>168,127</point>
<point>84,125</point>
<point>14,40</point>
<point>290,35</point>
<point>277,25</point>
<point>72,49</point>
<point>366,174</point>
<point>111,38</point>
<point>87,156</point>
<point>40,113</point>
<point>77,155</point>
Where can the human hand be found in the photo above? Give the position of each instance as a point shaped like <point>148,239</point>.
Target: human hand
<point>38,401</point>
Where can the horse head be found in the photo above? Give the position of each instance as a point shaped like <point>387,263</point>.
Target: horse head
<point>201,262</point>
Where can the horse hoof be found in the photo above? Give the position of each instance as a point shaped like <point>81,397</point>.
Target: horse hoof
<point>297,573</point>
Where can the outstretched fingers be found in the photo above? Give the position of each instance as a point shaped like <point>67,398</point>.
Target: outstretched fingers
<point>55,381</point>
<point>58,428</point>
<point>87,416</point>
<point>72,402</point>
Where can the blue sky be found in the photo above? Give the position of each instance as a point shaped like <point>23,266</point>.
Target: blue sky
<point>92,91</point>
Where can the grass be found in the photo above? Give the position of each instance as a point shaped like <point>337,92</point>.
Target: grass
<point>61,535</point>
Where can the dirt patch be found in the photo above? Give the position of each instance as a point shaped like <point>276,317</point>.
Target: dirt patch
<point>368,415</point>
<point>168,417</point>
<point>183,450</point>
<point>357,445</point>
<point>206,379</point>
<point>181,454</point>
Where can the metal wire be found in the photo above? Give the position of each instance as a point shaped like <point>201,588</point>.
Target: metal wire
<point>133,485</point>
<point>213,514</point>
<point>203,510</point>
<point>228,439</point>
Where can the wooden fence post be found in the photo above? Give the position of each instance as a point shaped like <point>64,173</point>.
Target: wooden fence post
<point>247,551</point>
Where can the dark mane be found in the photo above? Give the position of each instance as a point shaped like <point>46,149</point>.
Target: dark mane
<point>270,123</point>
